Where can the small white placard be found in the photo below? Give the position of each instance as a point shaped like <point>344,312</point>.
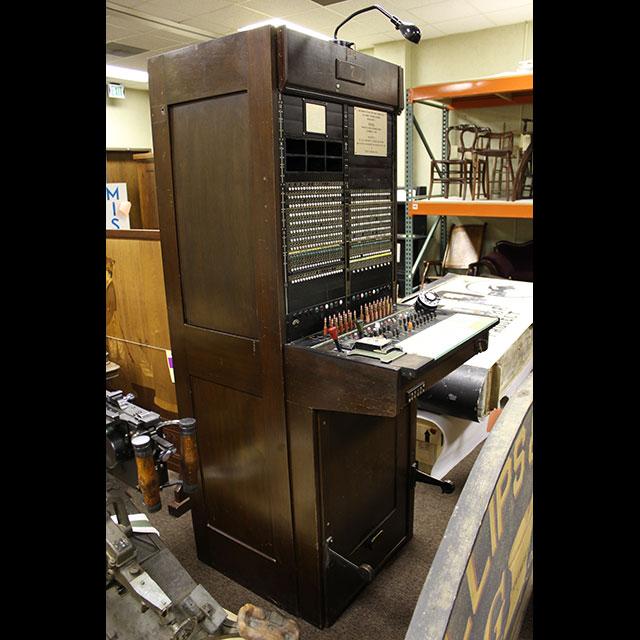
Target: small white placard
<point>369,132</point>
<point>315,118</point>
<point>118,206</point>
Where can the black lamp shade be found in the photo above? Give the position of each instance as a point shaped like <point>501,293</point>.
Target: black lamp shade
<point>410,32</point>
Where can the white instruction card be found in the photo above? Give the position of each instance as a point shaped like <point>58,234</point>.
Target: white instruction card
<point>315,118</point>
<point>369,132</point>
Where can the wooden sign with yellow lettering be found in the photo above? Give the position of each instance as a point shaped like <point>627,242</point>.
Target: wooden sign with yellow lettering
<point>482,575</point>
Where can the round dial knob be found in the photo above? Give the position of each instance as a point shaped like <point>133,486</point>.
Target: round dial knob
<point>427,301</point>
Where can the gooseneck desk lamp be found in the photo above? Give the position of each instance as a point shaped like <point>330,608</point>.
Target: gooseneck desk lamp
<point>409,31</point>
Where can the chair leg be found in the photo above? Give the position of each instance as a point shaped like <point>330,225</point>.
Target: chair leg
<point>511,193</point>
<point>463,186</point>
<point>477,179</point>
<point>479,187</point>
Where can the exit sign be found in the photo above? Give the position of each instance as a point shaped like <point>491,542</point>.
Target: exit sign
<point>115,90</point>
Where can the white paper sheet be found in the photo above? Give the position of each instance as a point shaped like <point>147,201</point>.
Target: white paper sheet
<point>139,523</point>
<point>509,300</point>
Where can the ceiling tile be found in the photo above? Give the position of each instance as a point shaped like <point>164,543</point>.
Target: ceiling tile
<point>395,7</point>
<point>280,8</point>
<point>132,4</point>
<point>412,4</point>
<point>348,6</point>
<point>364,24</point>
<point>115,60</point>
<point>319,19</point>
<point>511,16</point>
<point>114,32</point>
<point>401,10</point>
<point>153,40</point>
<point>484,6</point>
<point>460,25</point>
<point>132,25</point>
<point>228,19</point>
<point>429,31</point>
<point>190,8</point>
<point>162,11</point>
<point>441,11</point>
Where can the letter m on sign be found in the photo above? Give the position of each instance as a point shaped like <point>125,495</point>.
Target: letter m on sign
<point>113,195</point>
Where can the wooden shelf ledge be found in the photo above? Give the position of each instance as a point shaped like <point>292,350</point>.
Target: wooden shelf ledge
<point>133,234</point>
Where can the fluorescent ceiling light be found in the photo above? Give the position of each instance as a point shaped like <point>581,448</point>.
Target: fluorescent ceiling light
<point>279,22</point>
<point>122,73</point>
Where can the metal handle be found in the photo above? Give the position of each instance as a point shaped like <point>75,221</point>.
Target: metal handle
<point>364,570</point>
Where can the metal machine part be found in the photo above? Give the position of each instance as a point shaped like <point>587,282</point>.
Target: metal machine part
<point>137,451</point>
<point>124,421</point>
<point>150,596</point>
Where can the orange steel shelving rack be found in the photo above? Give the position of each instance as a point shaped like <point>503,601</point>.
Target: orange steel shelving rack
<point>492,91</point>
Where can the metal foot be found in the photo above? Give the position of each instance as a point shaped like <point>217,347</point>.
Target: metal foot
<point>420,476</point>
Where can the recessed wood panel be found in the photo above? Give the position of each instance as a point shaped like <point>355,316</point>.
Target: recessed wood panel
<point>235,459</point>
<point>216,235</point>
<point>358,466</point>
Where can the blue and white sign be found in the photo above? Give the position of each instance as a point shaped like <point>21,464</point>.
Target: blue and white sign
<point>118,206</point>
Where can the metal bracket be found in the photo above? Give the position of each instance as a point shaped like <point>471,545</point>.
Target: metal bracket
<point>420,476</point>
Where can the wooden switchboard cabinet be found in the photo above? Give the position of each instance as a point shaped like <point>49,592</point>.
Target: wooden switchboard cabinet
<point>275,167</point>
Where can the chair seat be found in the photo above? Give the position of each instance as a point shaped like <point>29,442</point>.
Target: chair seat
<point>456,161</point>
<point>511,260</point>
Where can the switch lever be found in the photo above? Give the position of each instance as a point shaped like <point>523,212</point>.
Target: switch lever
<point>333,332</point>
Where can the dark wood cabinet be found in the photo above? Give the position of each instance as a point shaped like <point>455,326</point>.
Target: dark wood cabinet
<point>305,455</point>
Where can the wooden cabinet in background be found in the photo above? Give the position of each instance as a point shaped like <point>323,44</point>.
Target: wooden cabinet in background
<point>137,327</point>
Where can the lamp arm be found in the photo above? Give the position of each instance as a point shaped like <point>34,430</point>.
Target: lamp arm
<point>371,8</point>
